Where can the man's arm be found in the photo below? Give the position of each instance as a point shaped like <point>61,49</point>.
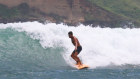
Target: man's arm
<point>75,40</point>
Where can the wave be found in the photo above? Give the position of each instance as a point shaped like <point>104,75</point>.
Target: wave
<point>33,44</point>
<point>19,52</point>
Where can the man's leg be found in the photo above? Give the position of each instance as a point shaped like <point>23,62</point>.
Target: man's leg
<point>78,60</point>
<point>74,56</point>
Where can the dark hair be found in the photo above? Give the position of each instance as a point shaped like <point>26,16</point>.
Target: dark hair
<point>70,33</point>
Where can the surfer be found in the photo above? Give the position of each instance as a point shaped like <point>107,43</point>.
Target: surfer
<point>77,49</point>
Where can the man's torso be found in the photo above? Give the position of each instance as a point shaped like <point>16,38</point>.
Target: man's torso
<point>74,41</point>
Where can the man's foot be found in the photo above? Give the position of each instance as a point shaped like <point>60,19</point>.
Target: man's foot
<point>79,64</point>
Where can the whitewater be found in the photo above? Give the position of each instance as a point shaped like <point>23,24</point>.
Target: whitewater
<point>51,46</point>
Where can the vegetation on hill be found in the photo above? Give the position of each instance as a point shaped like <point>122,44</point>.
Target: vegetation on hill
<point>129,9</point>
<point>5,12</point>
<point>21,12</point>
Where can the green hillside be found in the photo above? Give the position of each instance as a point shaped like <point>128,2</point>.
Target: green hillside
<point>126,8</point>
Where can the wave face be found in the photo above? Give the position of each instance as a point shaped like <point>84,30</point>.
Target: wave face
<point>32,45</point>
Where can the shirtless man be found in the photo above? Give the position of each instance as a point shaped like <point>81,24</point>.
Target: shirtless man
<point>77,50</point>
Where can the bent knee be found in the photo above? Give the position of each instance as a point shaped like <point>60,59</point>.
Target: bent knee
<point>75,54</point>
<point>72,55</point>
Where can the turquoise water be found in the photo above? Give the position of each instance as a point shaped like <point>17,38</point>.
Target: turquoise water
<point>73,74</point>
<point>26,54</point>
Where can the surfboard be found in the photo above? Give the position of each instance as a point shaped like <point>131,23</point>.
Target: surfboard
<point>83,66</point>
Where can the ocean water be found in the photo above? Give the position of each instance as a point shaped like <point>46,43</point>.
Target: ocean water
<point>32,50</point>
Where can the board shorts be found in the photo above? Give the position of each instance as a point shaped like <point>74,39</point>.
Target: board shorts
<point>79,48</point>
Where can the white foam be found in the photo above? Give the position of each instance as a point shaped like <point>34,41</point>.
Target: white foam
<point>101,46</point>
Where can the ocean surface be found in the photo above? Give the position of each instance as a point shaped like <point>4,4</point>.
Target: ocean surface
<point>32,50</point>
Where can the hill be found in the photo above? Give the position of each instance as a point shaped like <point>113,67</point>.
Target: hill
<point>108,13</point>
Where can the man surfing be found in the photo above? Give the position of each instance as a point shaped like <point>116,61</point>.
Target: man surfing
<point>77,49</point>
